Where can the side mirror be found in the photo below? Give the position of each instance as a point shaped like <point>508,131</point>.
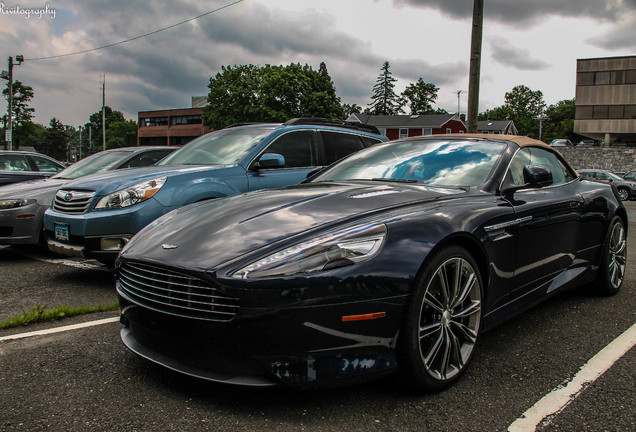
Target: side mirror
<point>271,160</point>
<point>534,177</point>
<point>537,175</point>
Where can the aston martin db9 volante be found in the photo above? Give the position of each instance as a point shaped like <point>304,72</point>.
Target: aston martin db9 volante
<point>394,259</point>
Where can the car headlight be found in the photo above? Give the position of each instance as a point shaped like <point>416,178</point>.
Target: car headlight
<point>336,250</point>
<point>13,203</point>
<point>131,195</point>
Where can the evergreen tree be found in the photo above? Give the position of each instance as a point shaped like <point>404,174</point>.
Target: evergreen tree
<point>385,101</point>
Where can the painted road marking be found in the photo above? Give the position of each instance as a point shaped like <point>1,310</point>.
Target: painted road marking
<point>60,329</point>
<point>83,265</point>
<point>559,398</point>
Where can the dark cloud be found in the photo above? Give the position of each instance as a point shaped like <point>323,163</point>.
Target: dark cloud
<point>508,55</point>
<point>525,12</point>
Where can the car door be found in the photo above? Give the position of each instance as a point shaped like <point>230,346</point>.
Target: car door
<point>299,149</point>
<point>549,223</point>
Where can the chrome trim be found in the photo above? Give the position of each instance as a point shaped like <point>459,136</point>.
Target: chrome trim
<point>72,202</point>
<point>175,293</point>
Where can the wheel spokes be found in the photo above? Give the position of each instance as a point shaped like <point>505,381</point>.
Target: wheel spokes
<point>449,318</point>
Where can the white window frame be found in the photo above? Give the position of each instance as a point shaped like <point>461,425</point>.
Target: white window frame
<point>427,131</point>
<point>403,133</point>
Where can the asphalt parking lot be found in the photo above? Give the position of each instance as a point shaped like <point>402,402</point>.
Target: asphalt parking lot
<point>84,379</point>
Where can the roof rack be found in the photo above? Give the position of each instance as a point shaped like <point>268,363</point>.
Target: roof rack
<point>242,124</point>
<point>332,122</point>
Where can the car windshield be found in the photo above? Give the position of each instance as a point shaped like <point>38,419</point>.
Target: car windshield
<point>93,164</point>
<point>439,162</point>
<point>614,176</point>
<point>223,147</point>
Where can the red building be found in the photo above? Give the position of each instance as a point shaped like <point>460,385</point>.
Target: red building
<point>402,126</point>
<point>170,127</point>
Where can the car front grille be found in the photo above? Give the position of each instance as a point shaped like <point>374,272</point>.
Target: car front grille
<point>72,202</point>
<point>175,293</point>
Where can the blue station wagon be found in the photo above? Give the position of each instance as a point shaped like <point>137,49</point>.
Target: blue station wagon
<point>95,216</point>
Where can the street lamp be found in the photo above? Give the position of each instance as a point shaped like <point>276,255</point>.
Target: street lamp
<point>9,76</point>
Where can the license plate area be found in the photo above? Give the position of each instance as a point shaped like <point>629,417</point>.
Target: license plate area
<point>61,232</point>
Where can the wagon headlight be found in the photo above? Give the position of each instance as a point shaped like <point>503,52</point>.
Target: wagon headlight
<point>13,203</point>
<point>325,253</point>
<point>131,195</point>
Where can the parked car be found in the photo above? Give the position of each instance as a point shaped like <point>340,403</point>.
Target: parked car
<point>630,175</point>
<point>561,143</point>
<point>626,188</point>
<point>18,166</point>
<point>393,259</point>
<point>96,217</point>
<point>587,143</point>
<point>22,205</point>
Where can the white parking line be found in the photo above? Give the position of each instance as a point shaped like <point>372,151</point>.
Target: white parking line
<point>84,265</point>
<point>559,398</point>
<point>60,329</point>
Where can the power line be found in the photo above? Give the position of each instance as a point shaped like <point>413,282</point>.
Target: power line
<point>136,37</point>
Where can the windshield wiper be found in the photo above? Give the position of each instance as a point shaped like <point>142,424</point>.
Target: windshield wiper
<point>398,180</point>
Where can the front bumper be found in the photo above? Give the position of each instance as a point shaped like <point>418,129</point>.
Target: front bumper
<point>303,347</point>
<point>22,225</point>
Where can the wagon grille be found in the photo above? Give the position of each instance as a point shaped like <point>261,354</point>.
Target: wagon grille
<point>72,202</point>
<point>175,293</point>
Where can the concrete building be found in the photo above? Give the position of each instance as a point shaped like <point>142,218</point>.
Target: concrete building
<point>171,126</point>
<point>606,99</point>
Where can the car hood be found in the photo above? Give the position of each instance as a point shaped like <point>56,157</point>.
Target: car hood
<point>210,234</point>
<point>111,181</point>
<point>31,189</point>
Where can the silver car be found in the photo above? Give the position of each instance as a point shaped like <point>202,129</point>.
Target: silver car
<point>22,205</point>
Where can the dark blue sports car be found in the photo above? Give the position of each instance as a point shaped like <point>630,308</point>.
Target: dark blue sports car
<point>394,259</point>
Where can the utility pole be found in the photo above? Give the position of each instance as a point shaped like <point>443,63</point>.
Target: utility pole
<point>475,65</point>
<point>80,143</point>
<point>104,113</point>
<point>9,76</point>
<point>459,92</point>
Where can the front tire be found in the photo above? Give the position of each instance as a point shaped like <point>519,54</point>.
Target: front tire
<point>442,321</point>
<point>623,194</point>
<point>613,259</point>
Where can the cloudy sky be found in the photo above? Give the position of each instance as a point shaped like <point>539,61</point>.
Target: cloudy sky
<point>534,43</point>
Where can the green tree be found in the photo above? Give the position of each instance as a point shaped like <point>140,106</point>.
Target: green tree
<point>22,114</point>
<point>121,134</point>
<point>249,93</point>
<point>523,106</point>
<point>421,96</point>
<point>95,123</point>
<point>55,140</point>
<point>559,122</point>
<point>384,99</point>
<point>351,109</point>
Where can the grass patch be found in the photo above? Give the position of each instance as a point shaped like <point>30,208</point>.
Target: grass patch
<point>39,313</point>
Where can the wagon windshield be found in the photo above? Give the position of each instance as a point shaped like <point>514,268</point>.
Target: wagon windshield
<point>223,147</point>
<point>439,162</point>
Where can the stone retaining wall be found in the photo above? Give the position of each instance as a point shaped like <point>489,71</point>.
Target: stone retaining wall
<point>617,159</point>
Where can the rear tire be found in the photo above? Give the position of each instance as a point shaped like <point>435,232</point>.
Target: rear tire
<point>442,321</point>
<point>613,260</point>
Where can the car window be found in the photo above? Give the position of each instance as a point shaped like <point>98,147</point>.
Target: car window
<point>602,176</point>
<point>45,165</point>
<point>297,147</point>
<point>338,145</point>
<point>146,158</point>
<point>14,162</point>
<point>537,156</point>
<point>368,141</point>
<point>443,163</point>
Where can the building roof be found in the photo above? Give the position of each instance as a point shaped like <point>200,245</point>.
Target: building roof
<point>404,121</point>
<point>493,125</point>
